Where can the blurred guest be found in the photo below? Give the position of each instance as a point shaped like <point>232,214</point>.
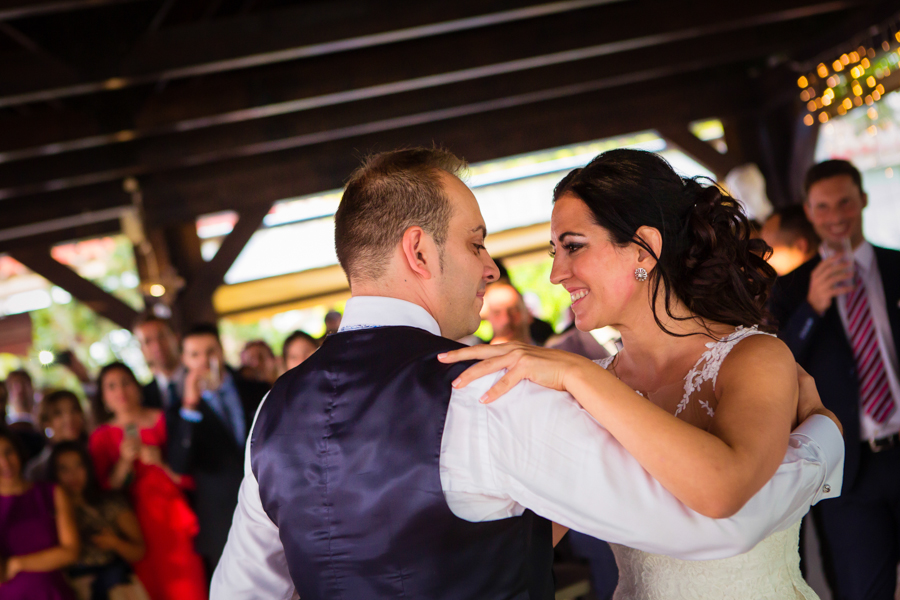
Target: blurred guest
<point>127,455</point>
<point>258,362</point>
<point>62,418</point>
<point>840,315</point>
<point>20,411</point>
<point>159,345</point>
<point>38,536</point>
<point>332,322</point>
<point>110,535</point>
<point>505,310</point>
<point>298,347</point>
<point>539,330</point>
<point>208,435</point>
<point>792,237</point>
<point>578,342</point>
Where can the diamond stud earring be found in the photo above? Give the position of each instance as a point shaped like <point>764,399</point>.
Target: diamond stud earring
<point>640,274</point>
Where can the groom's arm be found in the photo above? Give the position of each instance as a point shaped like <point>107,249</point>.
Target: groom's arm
<point>253,564</point>
<point>538,449</point>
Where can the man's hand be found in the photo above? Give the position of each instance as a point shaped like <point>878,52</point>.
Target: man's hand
<point>810,403</point>
<point>829,279</point>
<point>192,389</point>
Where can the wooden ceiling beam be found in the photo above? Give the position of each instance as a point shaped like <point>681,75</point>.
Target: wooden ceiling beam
<point>456,55</point>
<point>180,196</point>
<point>192,148</point>
<point>17,9</point>
<point>270,38</point>
<point>97,299</point>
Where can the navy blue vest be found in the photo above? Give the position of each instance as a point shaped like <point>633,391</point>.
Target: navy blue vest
<point>346,451</point>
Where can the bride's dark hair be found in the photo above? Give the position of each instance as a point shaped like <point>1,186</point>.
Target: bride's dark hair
<point>708,260</point>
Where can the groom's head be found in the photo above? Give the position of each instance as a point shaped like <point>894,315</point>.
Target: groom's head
<point>408,228</point>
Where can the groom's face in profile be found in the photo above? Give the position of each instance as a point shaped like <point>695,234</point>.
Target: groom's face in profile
<point>467,267</point>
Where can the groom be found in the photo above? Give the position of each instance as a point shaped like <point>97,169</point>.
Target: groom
<point>369,477</point>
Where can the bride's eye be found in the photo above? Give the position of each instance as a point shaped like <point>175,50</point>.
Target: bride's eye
<point>572,247</point>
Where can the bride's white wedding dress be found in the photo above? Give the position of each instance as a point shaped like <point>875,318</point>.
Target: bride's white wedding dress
<point>770,571</point>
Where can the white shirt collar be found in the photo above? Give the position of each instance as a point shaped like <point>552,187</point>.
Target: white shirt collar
<point>363,312</point>
<point>864,256</point>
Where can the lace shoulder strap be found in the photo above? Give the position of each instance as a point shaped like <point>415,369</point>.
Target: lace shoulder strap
<point>707,366</point>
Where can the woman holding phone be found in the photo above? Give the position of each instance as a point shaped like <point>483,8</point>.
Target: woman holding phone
<point>127,450</point>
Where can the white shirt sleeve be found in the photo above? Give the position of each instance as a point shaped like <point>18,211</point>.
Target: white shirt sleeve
<point>537,448</point>
<point>253,564</point>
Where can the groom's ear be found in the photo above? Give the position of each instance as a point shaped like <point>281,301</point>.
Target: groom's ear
<point>653,239</point>
<point>419,252</point>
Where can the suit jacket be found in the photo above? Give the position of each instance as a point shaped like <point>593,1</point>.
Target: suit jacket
<point>207,451</point>
<point>152,397</point>
<point>820,344</point>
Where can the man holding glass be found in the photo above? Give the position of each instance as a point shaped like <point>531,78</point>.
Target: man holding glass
<point>208,434</point>
<point>840,314</point>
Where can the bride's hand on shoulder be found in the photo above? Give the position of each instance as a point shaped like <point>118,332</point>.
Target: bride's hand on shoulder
<point>544,366</point>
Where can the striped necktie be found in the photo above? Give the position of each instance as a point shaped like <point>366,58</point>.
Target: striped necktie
<point>874,388</point>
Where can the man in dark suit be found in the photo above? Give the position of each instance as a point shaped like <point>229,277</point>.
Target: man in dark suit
<point>159,344</point>
<point>208,434</point>
<point>840,314</point>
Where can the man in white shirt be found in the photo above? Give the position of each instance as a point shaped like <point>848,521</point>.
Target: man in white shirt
<point>341,503</point>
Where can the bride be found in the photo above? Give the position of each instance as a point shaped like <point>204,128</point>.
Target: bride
<point>671,265</point>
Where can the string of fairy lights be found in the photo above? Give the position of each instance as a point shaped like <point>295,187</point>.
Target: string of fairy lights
<point>853,79</point>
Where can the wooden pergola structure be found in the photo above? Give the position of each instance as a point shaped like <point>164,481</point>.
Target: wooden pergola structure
<point>144,114</point>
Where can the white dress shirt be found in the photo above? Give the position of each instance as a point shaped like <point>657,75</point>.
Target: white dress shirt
<point>864,257</point>
<point>537,448</point>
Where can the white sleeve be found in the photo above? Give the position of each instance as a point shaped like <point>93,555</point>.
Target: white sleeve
<point>539,449</point>
<point>253,564</point>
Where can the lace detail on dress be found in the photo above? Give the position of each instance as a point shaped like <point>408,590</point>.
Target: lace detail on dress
<point>707,366</point>
<point>770,571</point>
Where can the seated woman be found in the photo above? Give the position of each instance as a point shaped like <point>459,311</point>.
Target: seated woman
<point>127,454</point>
<point>110,535</point>
<point>62,419</point>
<point>38,536</point>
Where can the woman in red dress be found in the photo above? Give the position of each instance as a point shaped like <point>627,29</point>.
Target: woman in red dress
<point>127,453</point>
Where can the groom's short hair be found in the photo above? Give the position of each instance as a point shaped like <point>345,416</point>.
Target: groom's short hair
<point>389,193</point>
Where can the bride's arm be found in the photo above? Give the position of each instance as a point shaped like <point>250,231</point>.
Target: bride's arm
<point>715,472</point>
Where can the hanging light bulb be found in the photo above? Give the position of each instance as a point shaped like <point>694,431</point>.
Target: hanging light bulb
<point>870,81</point>
<point>872,113</point>
<point>802,82</point>
<point>857,101</point>
<point>808,120</point>
<point>822,70</point>
<point>823,117</point>
<point>837,65</point>
<point>854,56</point>
<point>841,110</point>
<point>811,106</point>
<point>847,103</point>
<point>865,63</point>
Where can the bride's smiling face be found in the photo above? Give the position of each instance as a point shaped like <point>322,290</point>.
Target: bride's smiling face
<point>598,274</point>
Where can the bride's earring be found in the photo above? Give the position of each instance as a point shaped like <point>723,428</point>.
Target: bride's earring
<point>640,274</point>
